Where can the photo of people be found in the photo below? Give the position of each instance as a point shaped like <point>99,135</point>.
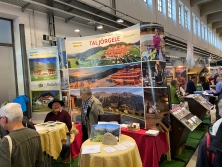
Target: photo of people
<point>152,42</point>
<point>155,102</point>
<point>124,75</point>
<point>154,74</point>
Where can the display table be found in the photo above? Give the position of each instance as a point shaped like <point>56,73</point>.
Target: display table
<point>125,158</point>
<point>76,144</point>
<point>151,148</point>
<point>52,139</point>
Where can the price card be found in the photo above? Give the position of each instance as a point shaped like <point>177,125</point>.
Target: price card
<point>109,149</point>
<point>120,147</point>
<point>128,143</point>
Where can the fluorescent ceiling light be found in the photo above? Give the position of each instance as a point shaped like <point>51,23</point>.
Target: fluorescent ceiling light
<point>99,27</point>
<point>119,20</point>
<point>77,30</point>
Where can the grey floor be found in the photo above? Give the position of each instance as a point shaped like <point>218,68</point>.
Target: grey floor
<point>192,162</point>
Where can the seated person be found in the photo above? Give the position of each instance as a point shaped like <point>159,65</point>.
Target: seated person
<point>58,114</point>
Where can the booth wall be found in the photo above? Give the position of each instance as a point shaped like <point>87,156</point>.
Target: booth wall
<point>36,25</point>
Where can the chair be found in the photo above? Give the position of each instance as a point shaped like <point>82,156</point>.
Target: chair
<point>110,117</point>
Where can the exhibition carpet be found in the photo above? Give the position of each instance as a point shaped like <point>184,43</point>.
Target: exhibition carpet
<point>191,145</point>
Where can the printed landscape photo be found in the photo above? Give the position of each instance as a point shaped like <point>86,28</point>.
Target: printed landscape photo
<point>118,53</point>
<point>126,101</point>
<point>125,75</point>
<point>40,100</point>
<point>42,69</point>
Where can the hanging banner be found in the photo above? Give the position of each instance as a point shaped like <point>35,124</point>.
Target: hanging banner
<point>190,57</point>
<point>44,77</point>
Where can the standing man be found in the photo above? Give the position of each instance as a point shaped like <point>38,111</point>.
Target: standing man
<point>58,114</point>
<point>191,86</point>
<point>26,143</point>
<point>181,81</point>
<point>91,108</point>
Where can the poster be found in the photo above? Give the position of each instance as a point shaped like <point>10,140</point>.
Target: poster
<point>44,77</point>
<point>180,74</point>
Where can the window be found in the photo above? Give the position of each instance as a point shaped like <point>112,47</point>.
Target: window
<point>180,21</point>
<point>194,24</point>
<point>197,27</point>
<point>160,6</point>
<point>170,9</point>
<point>186,19</point>
<point>203,31</point>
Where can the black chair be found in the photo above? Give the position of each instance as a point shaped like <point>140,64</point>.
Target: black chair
<point>110,117</point>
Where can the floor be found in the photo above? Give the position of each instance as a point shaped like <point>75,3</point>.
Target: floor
<point>192,162</point>
<point>193,159</point>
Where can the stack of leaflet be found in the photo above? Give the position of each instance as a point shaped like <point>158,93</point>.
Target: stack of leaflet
<point>152,132</point>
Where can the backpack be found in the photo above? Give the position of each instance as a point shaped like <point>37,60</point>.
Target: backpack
<point>210,152</point>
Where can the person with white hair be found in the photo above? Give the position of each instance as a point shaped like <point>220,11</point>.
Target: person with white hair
<point>26,144</point>
<point>91,108</point>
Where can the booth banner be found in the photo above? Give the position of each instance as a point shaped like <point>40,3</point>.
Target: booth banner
<point>106,49</point>
<point>180,70</point>
<point>112,66</point>
<point>44,77</point>
<point>169,71</point>
<point>215,70</point>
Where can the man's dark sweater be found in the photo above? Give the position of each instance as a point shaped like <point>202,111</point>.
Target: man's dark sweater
<point>62,116</point>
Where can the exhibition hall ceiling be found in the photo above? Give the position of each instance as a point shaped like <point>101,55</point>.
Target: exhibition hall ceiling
<point>76,11</point>
<point>212,9</point>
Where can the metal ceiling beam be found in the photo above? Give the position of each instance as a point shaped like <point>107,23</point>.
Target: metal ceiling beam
<point>217,24</point>
<point>64,12</point>
<point>197,2</point>
<point>219,30</point>
<point>68,19</point>
<point>74,7</point>
<point>214,17</point>
<point>25,6</point>
<point>116,10</point>
<point>211,7</point>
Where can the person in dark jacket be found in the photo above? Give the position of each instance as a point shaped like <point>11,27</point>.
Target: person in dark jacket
<point>191,86</point>
<point>205,85</point>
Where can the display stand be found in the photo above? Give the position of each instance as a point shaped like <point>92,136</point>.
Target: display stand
<point>182,122</point>
<point>198,105</point>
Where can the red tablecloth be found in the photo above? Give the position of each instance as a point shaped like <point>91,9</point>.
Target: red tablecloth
<point>76,144</point>
<point>150,148</point>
